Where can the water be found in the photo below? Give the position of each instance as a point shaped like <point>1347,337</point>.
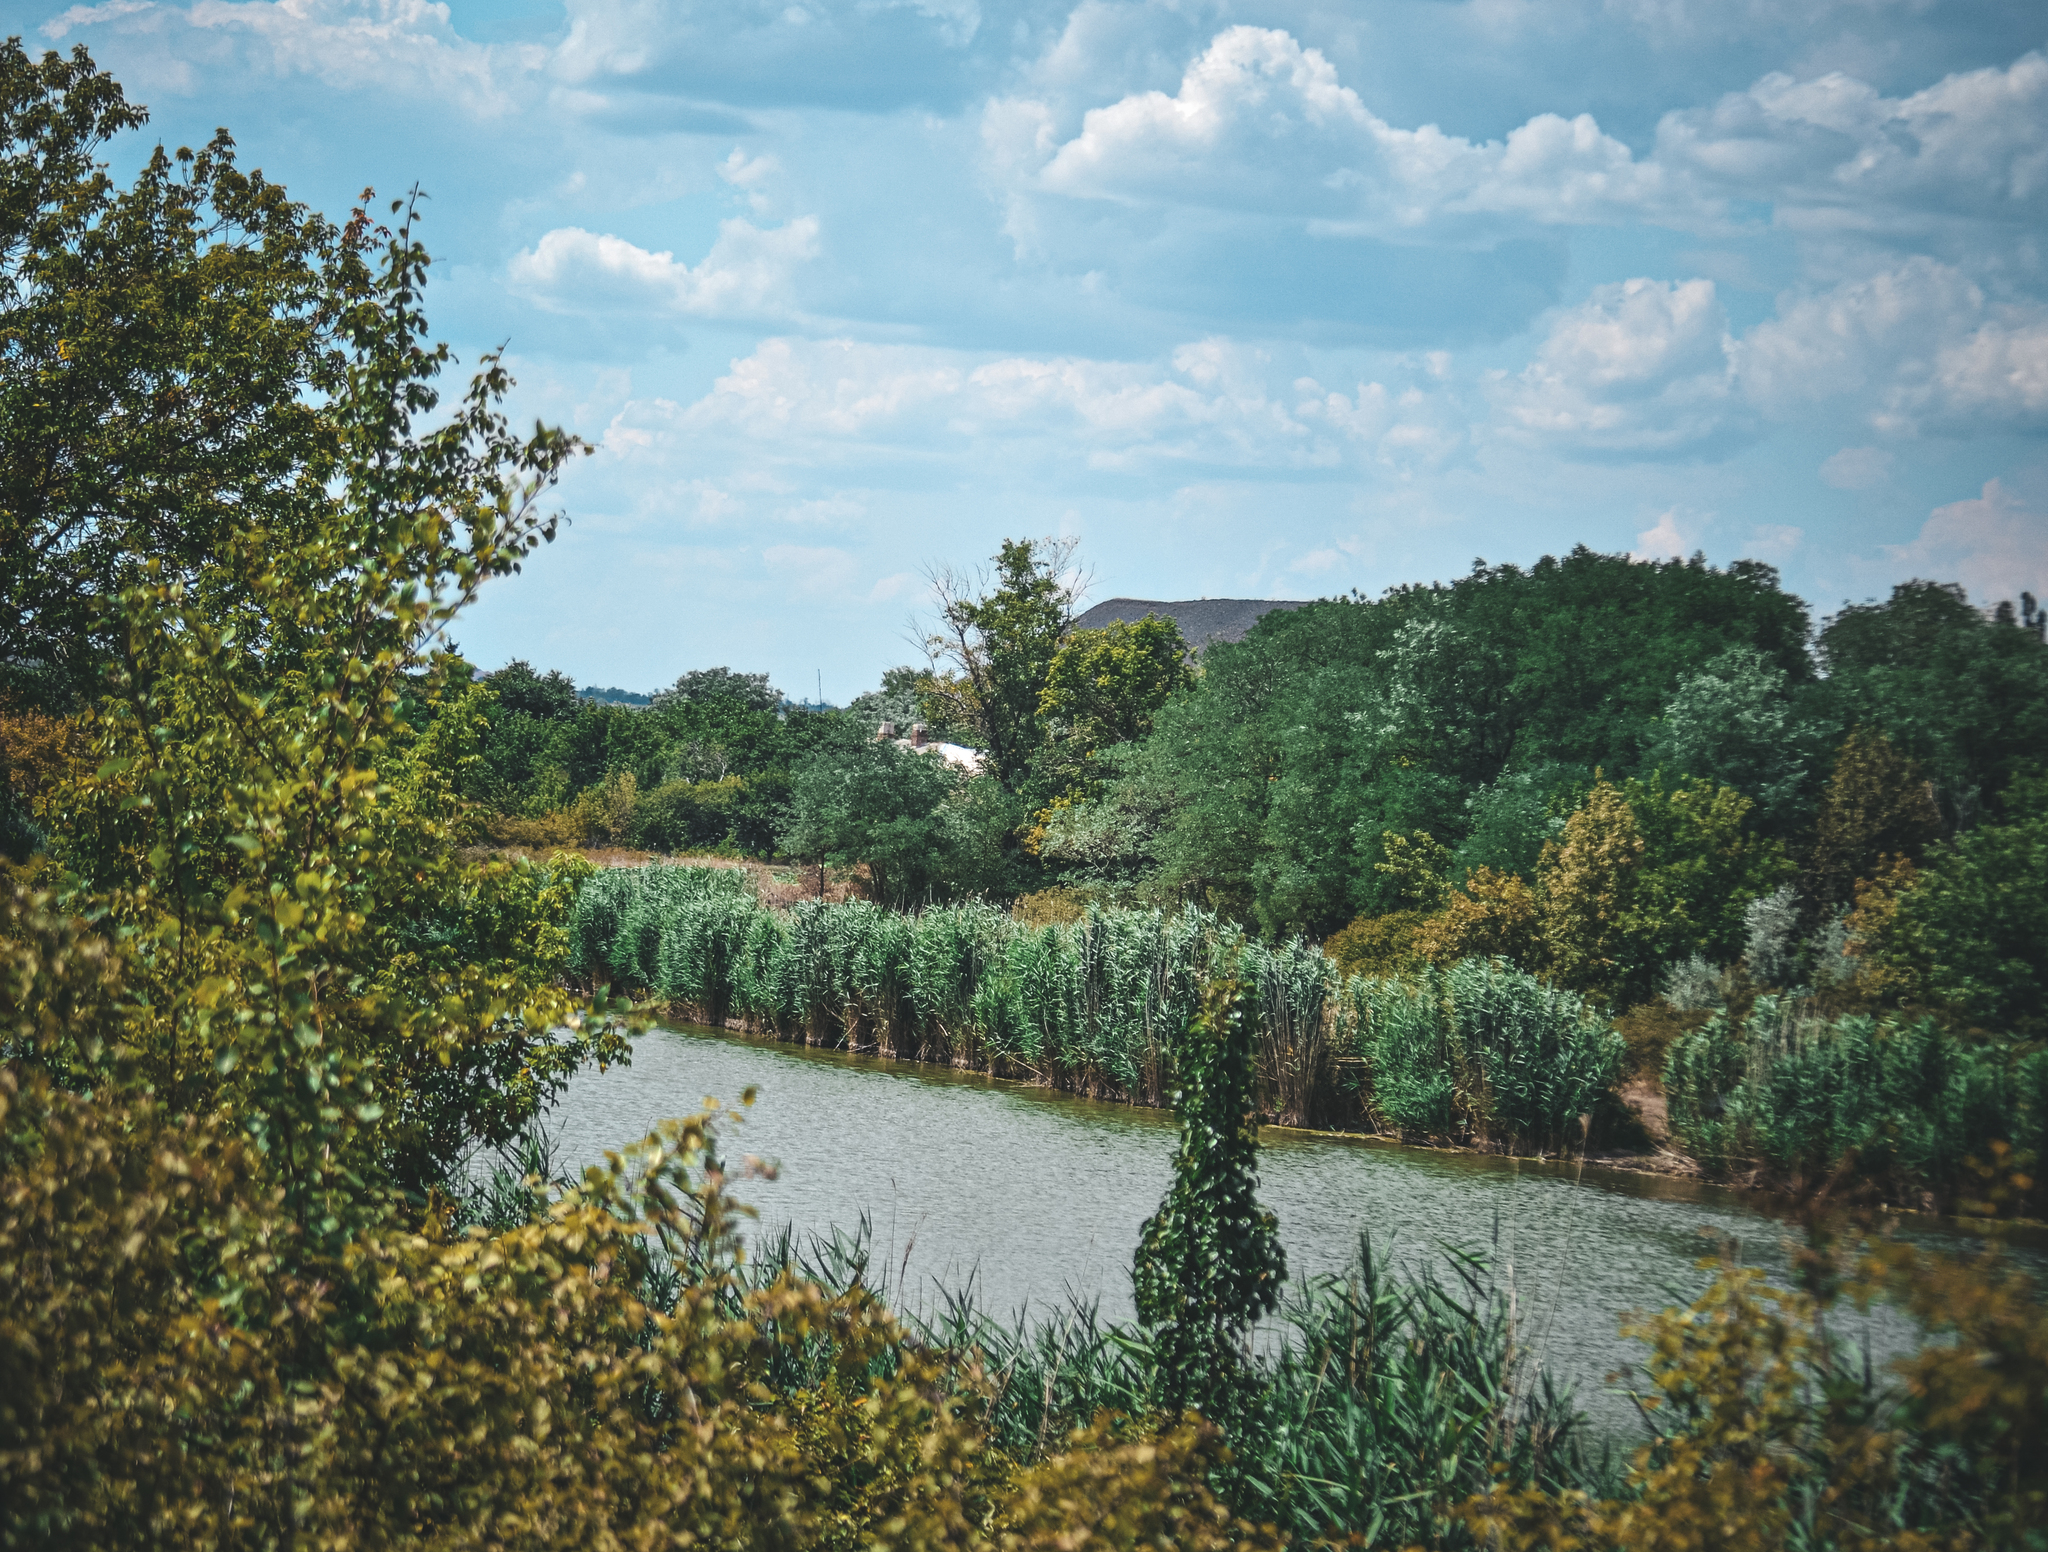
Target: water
<point>1037,1198</point>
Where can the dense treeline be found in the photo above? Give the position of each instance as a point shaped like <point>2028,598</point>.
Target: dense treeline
<point>1606,770</point>
<point>266,1015</point>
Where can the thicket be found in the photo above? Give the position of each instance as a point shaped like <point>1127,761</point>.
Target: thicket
<point>1485,1053</point>
<point>1902,1106</point>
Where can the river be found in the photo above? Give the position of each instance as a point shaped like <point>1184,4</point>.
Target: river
<point>1037,1197</point>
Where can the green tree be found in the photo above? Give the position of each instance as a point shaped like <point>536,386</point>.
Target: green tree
<point>1209,1262</point>
<point>173,352</point>
<point>752,691</point>
<point>1105,686</point>
<point>896,811</point>
<point>1599,934</point>
<point>1878,803</point>
<point>994,650</point>
<point>1970,931</point>
<point>1961,692</point>
<point>1739,722</point>
<point>1704,865</point>
<point>276,842</point>
<point>549,697</point>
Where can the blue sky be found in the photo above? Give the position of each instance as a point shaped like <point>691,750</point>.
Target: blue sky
<point>1272,300</point>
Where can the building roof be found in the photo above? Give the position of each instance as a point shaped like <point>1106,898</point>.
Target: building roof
<point>1201,620</point>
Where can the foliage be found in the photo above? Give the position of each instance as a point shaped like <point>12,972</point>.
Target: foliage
<point>171,350</point>
<point>1769,1432</point>
<point>1599,927</point>
<point>1378,945</point>
<point>1327,726</point>
<point>1494,916</point>
<point>1961,692</point>
<point>1897,1107</point>
<point>751,692</point>
<point>1484,1053</point>
<point>897,811</point>
<point>1741,722</point>
<point>1879,804</point>
<point>1209,1261</point>
<point>1969,933</point>
<point>997,648</point>
<point>1102,689</point>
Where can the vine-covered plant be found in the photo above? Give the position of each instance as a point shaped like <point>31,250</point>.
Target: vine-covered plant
<point>1209,1262</point>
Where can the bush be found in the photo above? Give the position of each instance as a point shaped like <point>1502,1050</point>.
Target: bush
<point>1904,1107</point>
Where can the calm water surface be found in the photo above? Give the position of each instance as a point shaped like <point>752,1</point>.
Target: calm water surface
<point>1038,1197</point>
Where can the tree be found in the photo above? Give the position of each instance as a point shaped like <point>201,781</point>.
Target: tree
<point>878,804</point>
<point>994,649</point>
<point>1968,931</point>
<point>1703,865</point>
<point>1209,1262</point>
<point>1878,803</point>
<point>1593,906</point>
<point>1104,687</point>
<point>706,685</point>
<point>550,696</point>
<point>1961,692</point>
<point>275,842</point>
<point>1737,722</point>
<point>172,356</point>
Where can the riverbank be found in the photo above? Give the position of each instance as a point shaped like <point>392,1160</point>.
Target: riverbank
<point>999,1068</point>
<point>1480,1056</point>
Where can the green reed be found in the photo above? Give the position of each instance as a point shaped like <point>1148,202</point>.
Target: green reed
<point>1482,1053</point>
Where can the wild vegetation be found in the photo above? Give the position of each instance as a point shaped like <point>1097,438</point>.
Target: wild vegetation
<point>265,1013</point>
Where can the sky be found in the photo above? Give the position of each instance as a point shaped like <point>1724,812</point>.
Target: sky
<point>1278,300</point>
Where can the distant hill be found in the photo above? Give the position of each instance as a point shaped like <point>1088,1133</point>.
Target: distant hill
<point>614,695</point>
<point>1201,620</point>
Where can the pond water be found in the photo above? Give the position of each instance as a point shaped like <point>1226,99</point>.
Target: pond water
<point>1037,1198</point>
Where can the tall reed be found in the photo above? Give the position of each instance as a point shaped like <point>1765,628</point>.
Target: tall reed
<point>1904,1106</point>
<point>1482,1054</point>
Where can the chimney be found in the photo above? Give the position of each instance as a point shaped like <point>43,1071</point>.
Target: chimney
<point>886,731</point>
<point>917,735</point>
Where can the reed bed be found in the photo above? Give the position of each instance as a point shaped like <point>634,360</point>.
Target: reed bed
<point>1908,1108</point>
<point>1482,1054</point>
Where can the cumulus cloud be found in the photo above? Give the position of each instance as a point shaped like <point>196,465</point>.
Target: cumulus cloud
<point>1665,539</point>
<point>1641,367</point>
<point>1995,544</point>
<point>1211,404</point>
<point>1205,407</point>
<point>1920,343</point>
<point>1836,155</point>
<point>1261,123</point>
<point>747,274</point>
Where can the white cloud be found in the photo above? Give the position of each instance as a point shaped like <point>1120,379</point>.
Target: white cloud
<point>1995,544</point>
<point>1857,468</point>
<point>58,27</point>
<point>1920,344</point>
<point>1261,123</point>
<point>1640,367</point>
<point>1209,405</point>
<point>1838,156</point>
<point>1665,540</point>
<point>747,273</point>
<point>407,45</point>
<point>748,175</point>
